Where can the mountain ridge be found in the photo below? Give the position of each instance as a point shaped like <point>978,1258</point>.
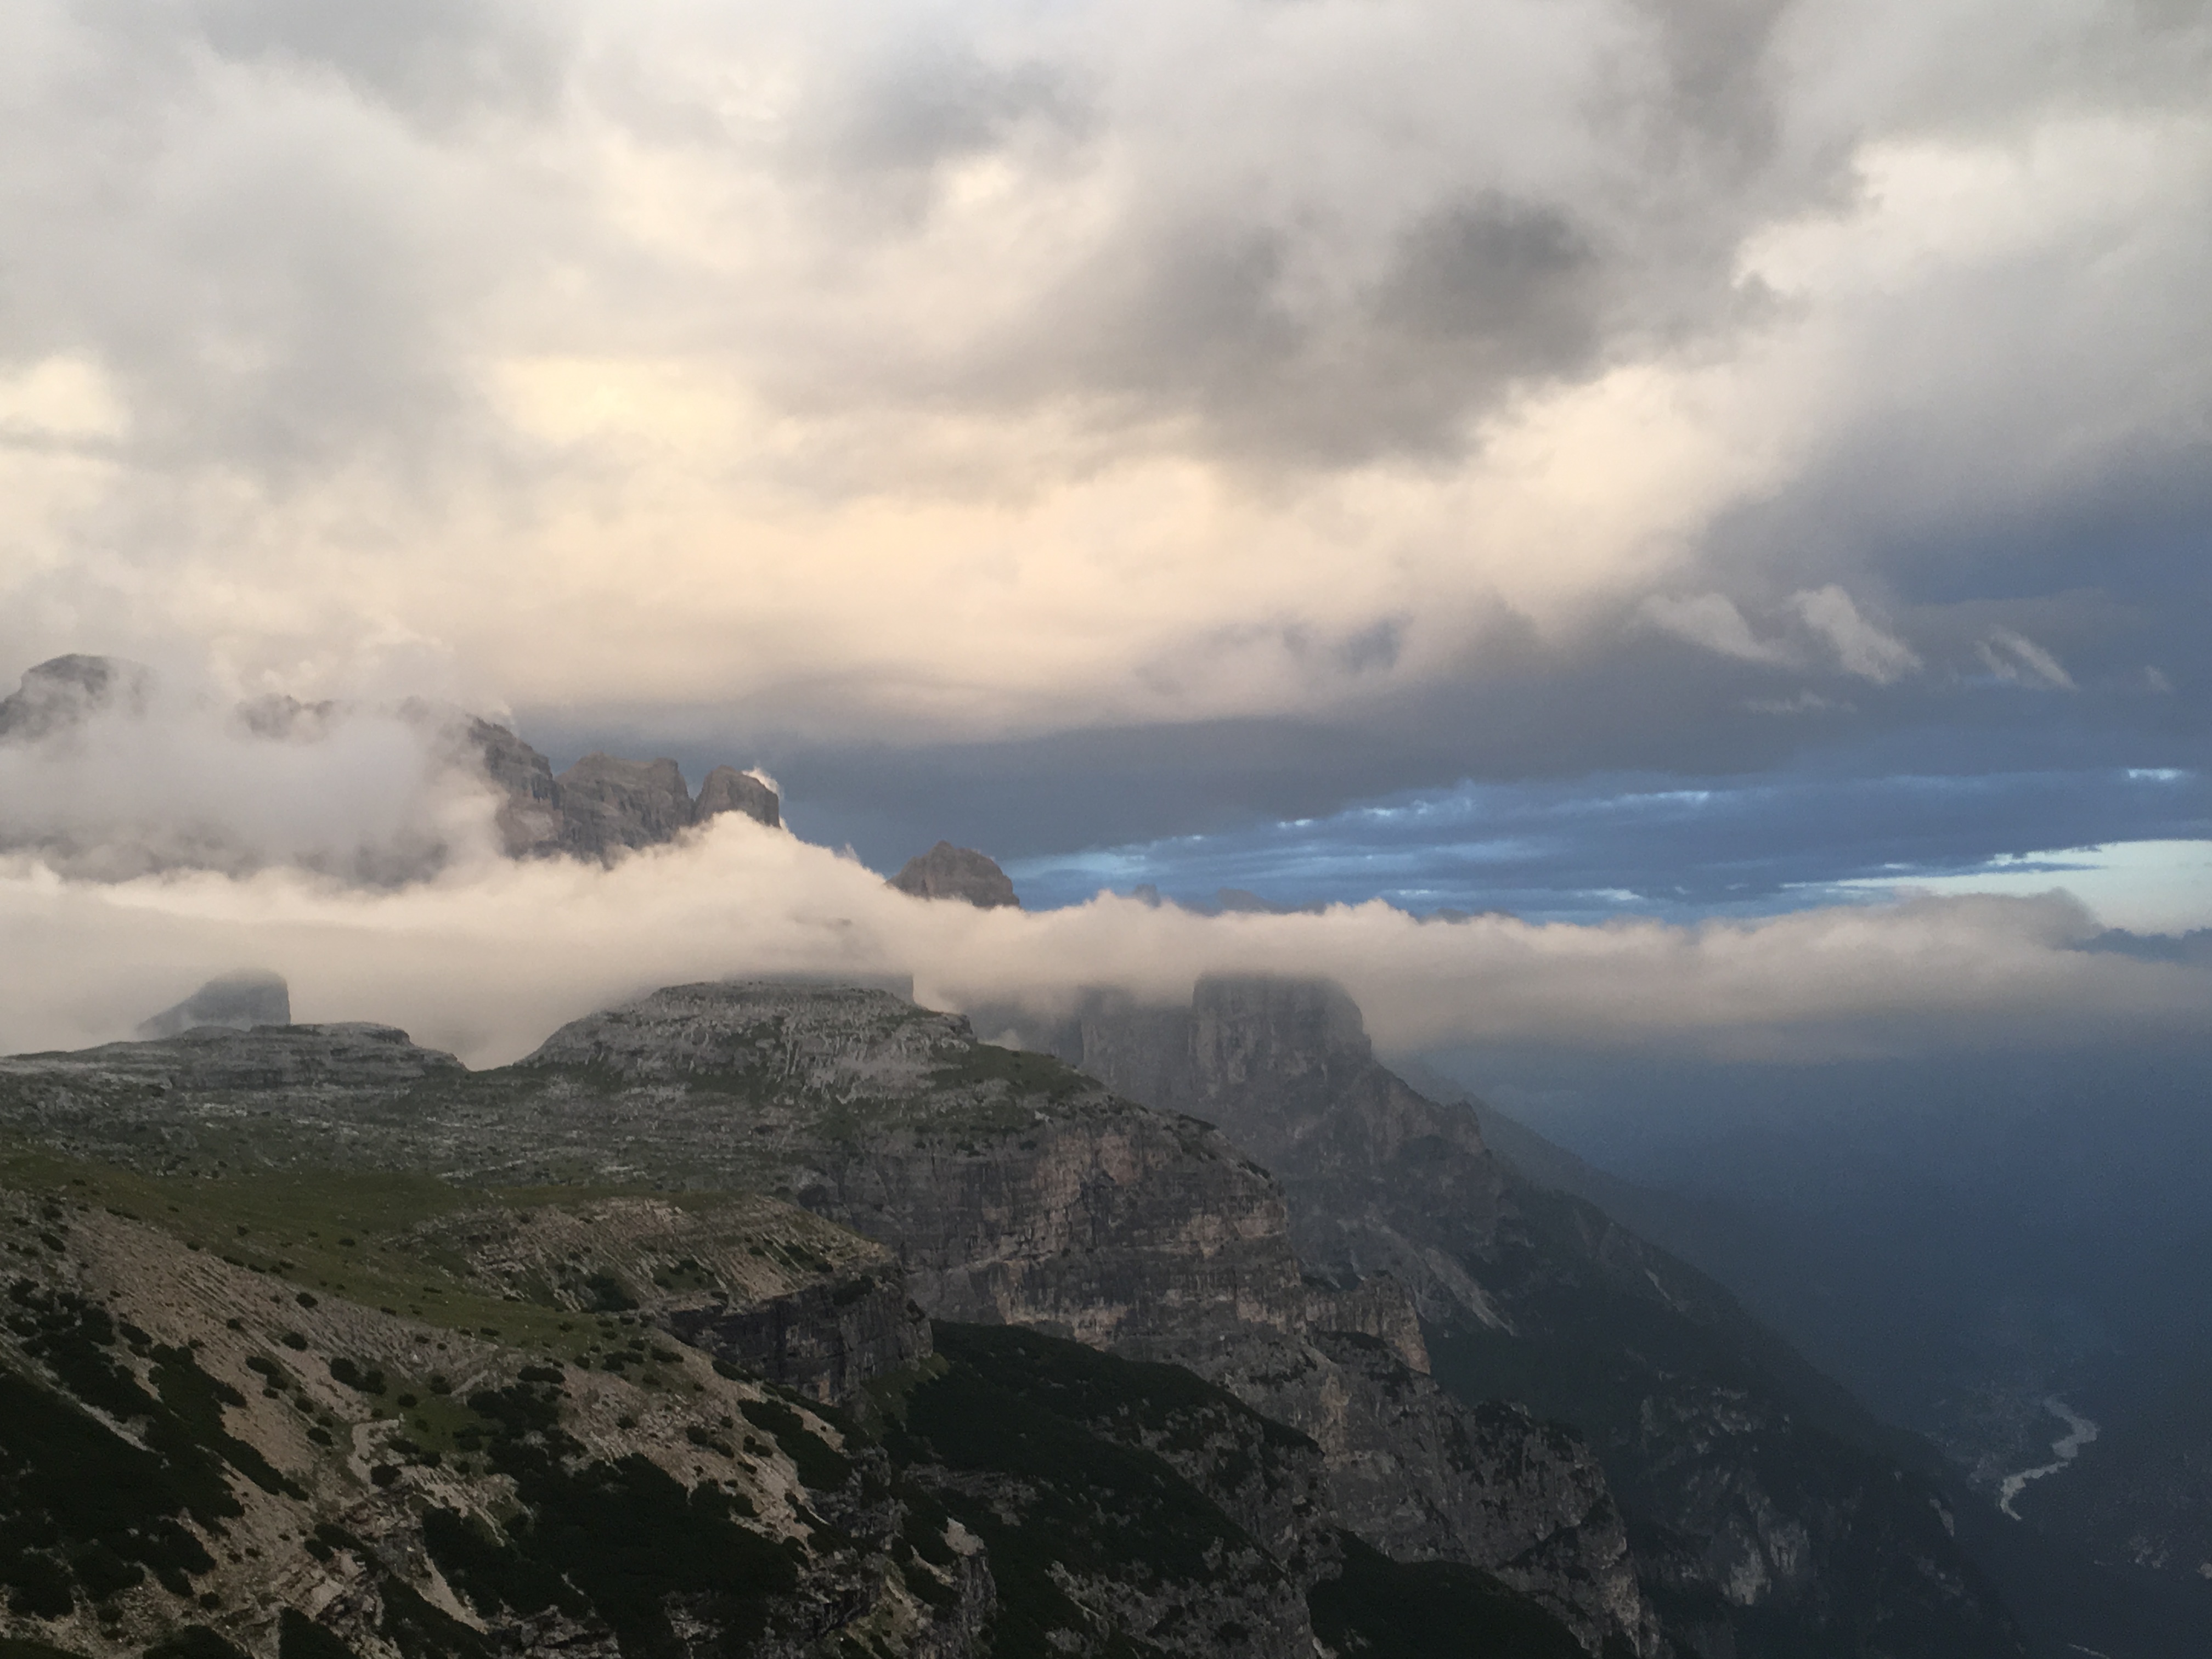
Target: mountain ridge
<point>1006,1187</point>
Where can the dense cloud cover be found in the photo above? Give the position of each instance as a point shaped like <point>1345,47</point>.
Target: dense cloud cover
<point>487,959</point>
<point>157,777</point>
<point>151,836</point>
<point>1092,427</point>
<point>976,370</point>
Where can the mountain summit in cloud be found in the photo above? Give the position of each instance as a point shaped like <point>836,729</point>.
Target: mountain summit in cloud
<point>603,806</point>
<point>109,773</point>
<point>947,871</point>
<point>243,1000</point>
<point>57,694</point>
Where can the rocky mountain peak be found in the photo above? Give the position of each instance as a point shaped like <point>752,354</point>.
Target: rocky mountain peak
<point>728,790</point>
<point>240,1001</point>
<point>63,691</point>
<point>609,804</point>
<point>957,873</point>
<point>1319,1347</point>
<point>604,806</point>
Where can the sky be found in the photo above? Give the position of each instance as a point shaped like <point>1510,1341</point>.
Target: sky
<point>1672,473</point>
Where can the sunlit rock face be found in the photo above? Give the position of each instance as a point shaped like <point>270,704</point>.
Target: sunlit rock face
<point>240,1001</point>
<point>946,871</point>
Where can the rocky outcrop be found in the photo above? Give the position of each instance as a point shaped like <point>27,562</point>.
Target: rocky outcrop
<point>213,1098</point>
<point>1423,1477</point>
<point>1381,1181</point>
<point>762,1284</point>
<point>344,1058</point>
<point>946,871</point>
<point>529,818</point>
<point>1037,1425</point>
<point>1376,1308</point>
<point>241,1001</point>
<point>1014,1191</point>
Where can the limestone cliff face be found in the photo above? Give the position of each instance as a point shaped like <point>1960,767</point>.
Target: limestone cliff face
<point>610,805</point>
<point>1780,1495</point>
<point>603,806</point>
<point>763,1285</point>
<point>1423,1477</point>
<point>1378,1309</point>
<point>1286,1069</point>
<point>529,819</point>
<point>725,789</point>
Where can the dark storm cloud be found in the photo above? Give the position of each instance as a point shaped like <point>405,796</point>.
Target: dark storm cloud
<point>1479,295</point>
<point>282,280</point>
<point>1504,276</point>
<point>1476,298</point>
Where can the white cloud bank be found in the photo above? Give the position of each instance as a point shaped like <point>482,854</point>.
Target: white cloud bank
<point>486,960</point>
<point>2145,886</point>
<point>363,793</point>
